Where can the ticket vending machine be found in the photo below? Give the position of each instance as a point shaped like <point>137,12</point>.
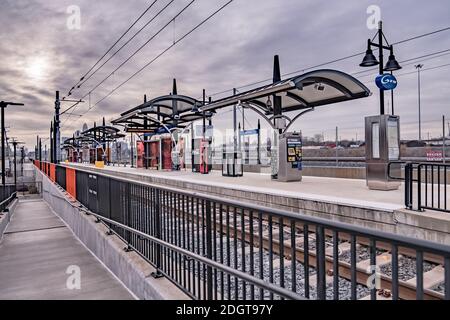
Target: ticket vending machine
<point>289,157</point>
<point>382,146</point>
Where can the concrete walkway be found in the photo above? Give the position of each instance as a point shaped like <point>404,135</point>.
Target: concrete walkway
<point>38,249</point>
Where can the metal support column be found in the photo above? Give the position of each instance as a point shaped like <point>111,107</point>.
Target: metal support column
<point>56,137</point>
<point>3,106</point>
<point>145,138</point>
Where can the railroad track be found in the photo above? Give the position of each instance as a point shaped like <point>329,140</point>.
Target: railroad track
<point>235,240</point>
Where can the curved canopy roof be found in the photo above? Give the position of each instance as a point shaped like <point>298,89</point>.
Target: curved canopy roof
<point>94,135</point>
<point>305,91</point>
<point>100,131</point>
<point>165,105</point>
<point>312,89</point>
<point>166,111</point>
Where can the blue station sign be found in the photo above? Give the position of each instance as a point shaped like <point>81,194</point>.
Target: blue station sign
<point>386,81</point>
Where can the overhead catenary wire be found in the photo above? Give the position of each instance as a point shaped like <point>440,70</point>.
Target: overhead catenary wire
<point>160,54</point>
<point>432,55</point>
<point>117,41</point>
<point>144,44</point>
<point>262,81</point>
<point>331,61</point>
<point>415,72</point>
<point>128,41</point>
<point>139,49</point>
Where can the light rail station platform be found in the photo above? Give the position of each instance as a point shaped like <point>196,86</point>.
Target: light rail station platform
<point>345,200</point>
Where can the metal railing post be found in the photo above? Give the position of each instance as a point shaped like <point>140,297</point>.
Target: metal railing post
<point>321,273</point>
<point>419,187</point>
<point>128,216</point>
<point>157,212</point>
<point>209,251</point>
<point>407,186</point>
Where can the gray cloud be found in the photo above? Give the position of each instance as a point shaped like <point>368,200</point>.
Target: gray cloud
<point>233,49</point>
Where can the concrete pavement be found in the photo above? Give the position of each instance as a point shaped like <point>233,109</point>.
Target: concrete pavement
<point>39,255</point>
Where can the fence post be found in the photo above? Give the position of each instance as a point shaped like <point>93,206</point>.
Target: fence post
<point>128,217</point>
<point>419,187</point>
<point>209,252</point>
<point>408,185</point>
<point>321,263</point>
<point>157,212</point>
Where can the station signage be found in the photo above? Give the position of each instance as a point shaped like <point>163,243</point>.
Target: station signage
<point>386,81</point>
<point>209,131</point>
<point>249,132</point>
<point>434,155</point>
<point>294,152</point>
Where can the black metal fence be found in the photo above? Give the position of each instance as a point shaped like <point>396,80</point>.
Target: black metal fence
<point>432,186</point>
<point>214,248</point>
<point>7,194</point>
<point>426,185</point>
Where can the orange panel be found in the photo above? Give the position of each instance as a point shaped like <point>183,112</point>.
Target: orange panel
<point>52,172</point>
<point>71,182</point>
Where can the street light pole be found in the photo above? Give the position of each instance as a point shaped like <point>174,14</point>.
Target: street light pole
<point>3,105</point>
<point>380,65</point>
<point>418,67</point>
<point>392,100</point>
<point>56,133</point>
<point>15,165</point>
<point>369,60</point>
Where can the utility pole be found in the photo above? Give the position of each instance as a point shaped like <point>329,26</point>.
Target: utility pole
<point>259,142</point>
<point>15,163</point>
<point>56,134</point>
<point>418,67</point>
<point>3,105</point>
<point>145,138</point>
<point>15,143</point>
<point>131,150</point>
<point>443,138</point>
<point>52,149</point>
<point>337,161</point>
<point>22,160</point>
<point>234,131</point>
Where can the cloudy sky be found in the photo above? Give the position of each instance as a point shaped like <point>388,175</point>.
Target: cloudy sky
<point>40,54</point>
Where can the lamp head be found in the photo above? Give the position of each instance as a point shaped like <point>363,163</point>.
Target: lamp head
<point>369,59</point>
<point>392,64</point>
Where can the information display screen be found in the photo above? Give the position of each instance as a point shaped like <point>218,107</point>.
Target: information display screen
<point>294,152</point>
<point>393,140</point>
<point>375,140</point>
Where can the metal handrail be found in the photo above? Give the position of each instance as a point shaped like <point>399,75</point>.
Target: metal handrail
<point>135,205</point>
<point>424,205</point>
<point>329,224</point>
<point>244,276</point>
<point>8,200</point>
<point>419,168</point>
